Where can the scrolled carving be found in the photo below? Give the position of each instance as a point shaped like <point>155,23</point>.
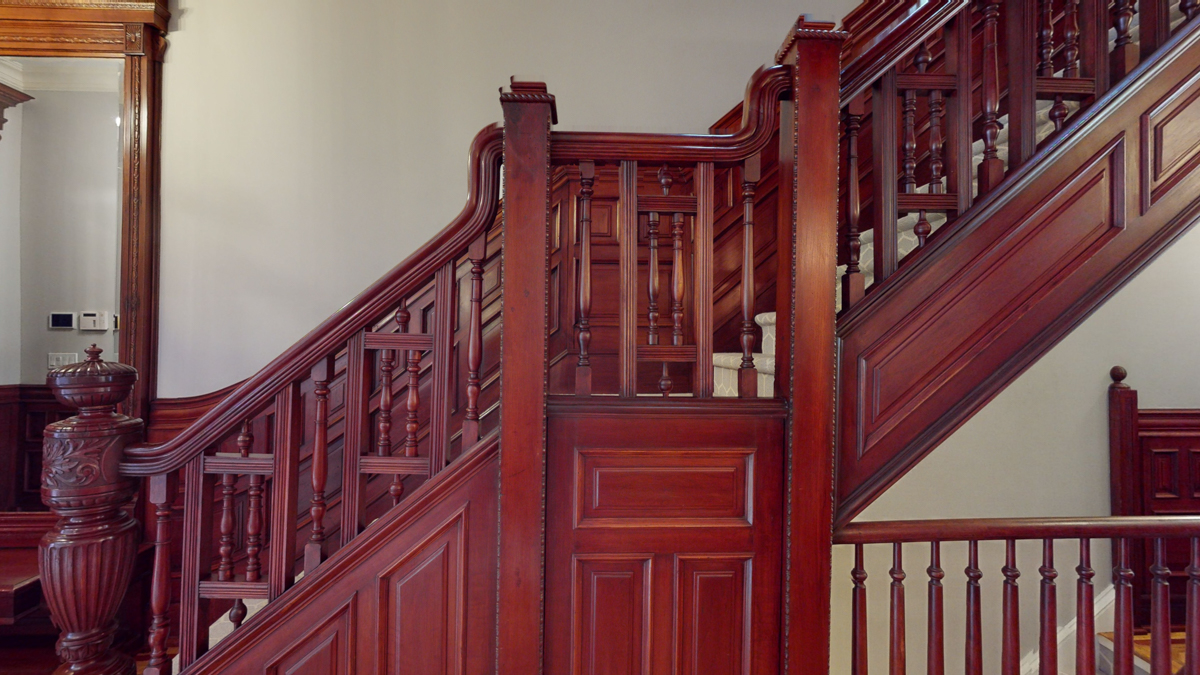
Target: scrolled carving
<point>68,462</point>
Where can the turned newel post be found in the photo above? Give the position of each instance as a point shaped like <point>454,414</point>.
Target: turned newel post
<point>87,559</point>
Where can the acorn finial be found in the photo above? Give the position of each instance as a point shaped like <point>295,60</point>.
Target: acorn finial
<point>1117,374</point>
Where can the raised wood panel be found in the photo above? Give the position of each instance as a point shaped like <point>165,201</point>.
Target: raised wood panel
<point>1170,140</point>
<point>1164,475</point>
<point>930,346</point>
<point>713,614</point>
<point>663,488</point>
<point>324,650</point>
<point>613,617</point>
<point>421,599</point>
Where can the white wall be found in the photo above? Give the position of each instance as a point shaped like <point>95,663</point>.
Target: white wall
<point>70,219</point>
<point>10,248</point>
<point>1039,449</point>
<point>309,146</point>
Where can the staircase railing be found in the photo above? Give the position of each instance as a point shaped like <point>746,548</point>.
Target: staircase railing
<point>1157,533</point>
<point>376,384</point>
<point>946,121</point>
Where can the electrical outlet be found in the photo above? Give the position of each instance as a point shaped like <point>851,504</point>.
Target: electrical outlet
<point>60,359</point>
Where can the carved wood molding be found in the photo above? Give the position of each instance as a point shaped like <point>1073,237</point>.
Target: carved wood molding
<point>9,98</point>
<point>148,12</point>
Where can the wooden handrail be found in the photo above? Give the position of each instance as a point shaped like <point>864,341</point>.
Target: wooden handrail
<point>760,119</point>
<point>479,213</point>
<point>986,529</point>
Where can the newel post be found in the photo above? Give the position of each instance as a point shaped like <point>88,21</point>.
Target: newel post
<point>87,559</point>
<point>528,113</point>
<point>813,50</point>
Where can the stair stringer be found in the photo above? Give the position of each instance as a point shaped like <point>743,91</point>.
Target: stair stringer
<point>967,315</point>
<point>409,594</point>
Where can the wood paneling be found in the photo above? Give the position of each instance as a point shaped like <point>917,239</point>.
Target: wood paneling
<point>950,330</point>
<point>672,559</point>
<point>324,650</point>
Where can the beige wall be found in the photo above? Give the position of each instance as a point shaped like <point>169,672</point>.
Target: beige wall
<point>1040,448</point>
<point>10,248</point>
<point>309,146</point>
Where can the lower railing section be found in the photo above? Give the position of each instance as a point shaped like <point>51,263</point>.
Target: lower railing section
<point>1077,539</point>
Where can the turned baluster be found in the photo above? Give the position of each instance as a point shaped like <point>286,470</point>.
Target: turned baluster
<point>747,374</point>
<point>1085,612</point>
<point>1192,625</point>
<point>935,658</point>
<point>1045,66</point>
<point>254,523</point>
<point>313,554</point>
<point>652,276</point>
<point>478,251</point>
<point>973,653</point>
<point>1010,650</point>
<point>161,494</point>
<point>1070,54</point>
<point>896,637</point>
<point>677,282</point>
<point>403,317</point>
<point>852,280</point>
<point>95,538</point>
<point>922,59</point>
<point>1123,618</point>
<point>1125,52</point>
<point>583,371</point>
<point>1048,636</point>
<point>387,366</point>
<point>991,169</point>
<point>225,543</point>
<point>858,628</point>
<point>1160,611</point>
<point>908,166</point>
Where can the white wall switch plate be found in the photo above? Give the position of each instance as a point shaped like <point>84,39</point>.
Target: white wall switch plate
<point>93,321</point>
<point>60,359</point>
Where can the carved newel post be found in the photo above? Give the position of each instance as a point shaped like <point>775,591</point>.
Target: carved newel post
<point>87,559</point>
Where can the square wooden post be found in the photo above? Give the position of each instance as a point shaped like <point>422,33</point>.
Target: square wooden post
<point>528,113</point>
<point>813,50</point>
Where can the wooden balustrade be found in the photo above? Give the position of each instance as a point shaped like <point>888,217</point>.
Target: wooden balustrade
<point>910,127</point>
<point>1157,530</point>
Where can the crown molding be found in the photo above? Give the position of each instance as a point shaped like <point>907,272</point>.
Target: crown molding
<point>12,73</point>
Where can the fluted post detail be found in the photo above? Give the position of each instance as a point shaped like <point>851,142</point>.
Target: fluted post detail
<point>95,538</point>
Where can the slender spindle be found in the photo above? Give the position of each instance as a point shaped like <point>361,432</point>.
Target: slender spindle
<point>665,384</point>
<point>897,659</point>
<point>1123,619</point>
<point>852,280</point>
<point>1048,634</point>
<point>237,613</point>
<point>403,319</point>
<point>1160,611</point>
<point>583,371</point>
<point>1191,660</point>
<point>254,521</point>
<point>225,543</point>
<point>858,636</point>
<point>747,374</point>
<point>935,658</point>
<point>991,169</point>
<point>921,60</point>
<point>1125,53</point>
<point>313,554</point>
<point>652,278</point>
<point>908,167</point>
<point>1045,66</point>
<point>162,493</point>
<point>387,366</point>
<point>470,434</point>
<point>1010,654</point>
<point>973,661</point>
<point>1085,612</point>
<point>1071,39</point>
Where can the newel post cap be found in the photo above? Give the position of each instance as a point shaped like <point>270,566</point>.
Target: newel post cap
<point>94,386</point>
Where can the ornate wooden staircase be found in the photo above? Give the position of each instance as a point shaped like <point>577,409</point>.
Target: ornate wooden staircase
<point>510,455</point>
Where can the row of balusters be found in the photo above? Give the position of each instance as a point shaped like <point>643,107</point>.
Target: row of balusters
<point>1061,53</point>
<point>1085,642</point>
<point>276,471</point>
<point>666,216</point>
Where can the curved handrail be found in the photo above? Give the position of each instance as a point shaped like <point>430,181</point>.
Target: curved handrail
<point>487,152</point>
<point>760,119</point>
<point>986,529</point>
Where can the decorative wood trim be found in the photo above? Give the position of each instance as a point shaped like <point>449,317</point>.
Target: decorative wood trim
<point>10,98</point>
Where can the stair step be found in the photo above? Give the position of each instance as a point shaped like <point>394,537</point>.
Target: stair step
<point>725,373</point>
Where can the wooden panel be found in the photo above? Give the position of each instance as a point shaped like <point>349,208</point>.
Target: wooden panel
<point>713,615</point>
<point>421,599</point>
<point>1170,140</point>
<point>663,488</point>
<point>612,616</point>
<point>1163,478</point>
<point>324,650</point>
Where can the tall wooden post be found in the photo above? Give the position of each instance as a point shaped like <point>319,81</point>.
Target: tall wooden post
<point>528,113</point>
<point>813,50</point>
<point>86,561</point>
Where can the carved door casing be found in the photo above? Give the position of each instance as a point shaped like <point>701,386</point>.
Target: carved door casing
<point>664,535</point>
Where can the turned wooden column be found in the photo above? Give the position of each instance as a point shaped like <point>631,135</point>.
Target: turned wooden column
<point>87,559</point>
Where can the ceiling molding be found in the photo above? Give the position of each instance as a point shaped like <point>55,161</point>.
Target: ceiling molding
<point>12,73</point>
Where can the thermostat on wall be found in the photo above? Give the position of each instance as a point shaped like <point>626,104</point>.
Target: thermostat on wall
<point>93,321</point>
<point>62,321</point>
